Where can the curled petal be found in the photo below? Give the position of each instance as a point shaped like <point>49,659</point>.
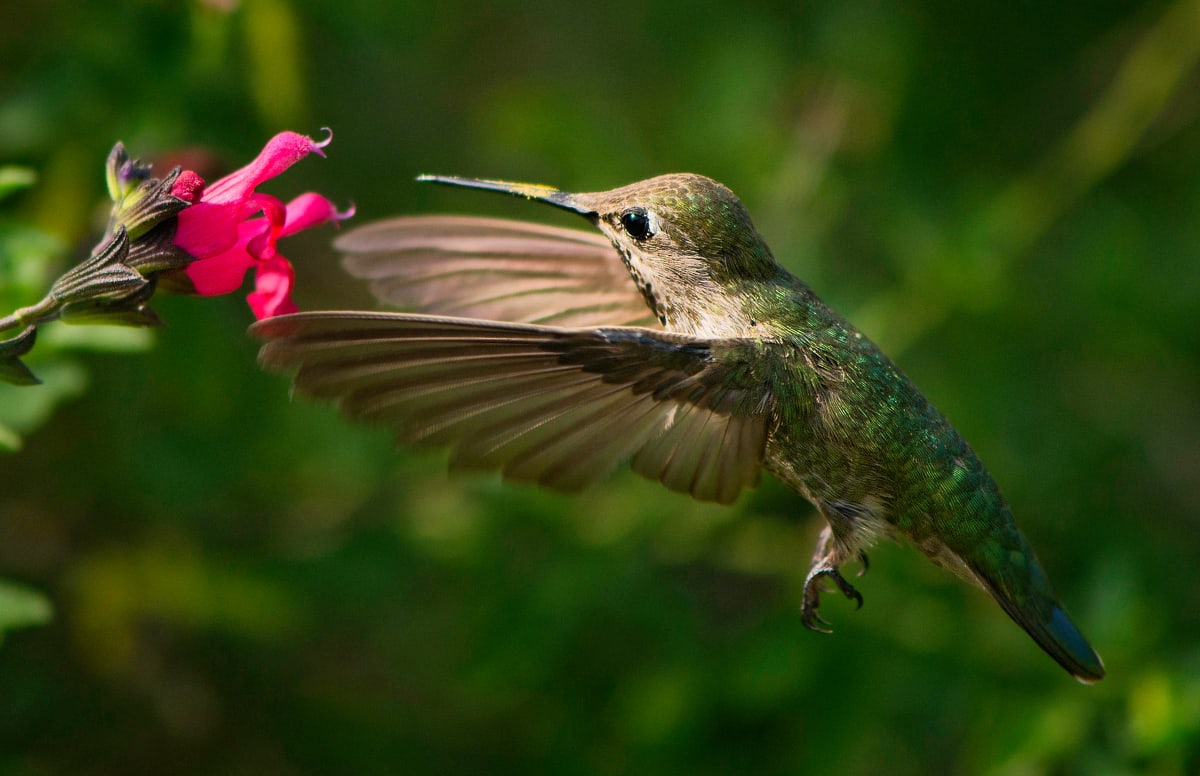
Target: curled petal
<point>280,153</point>
<point>272,289</point>
<point>311,209</point>
<point>262,245</point>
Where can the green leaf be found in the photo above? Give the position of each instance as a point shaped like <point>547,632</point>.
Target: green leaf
<point>12,369</point>
<point>14,372</point>
<point>22,607</point>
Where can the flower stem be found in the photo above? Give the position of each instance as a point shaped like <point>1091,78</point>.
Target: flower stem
<point>42,312</point>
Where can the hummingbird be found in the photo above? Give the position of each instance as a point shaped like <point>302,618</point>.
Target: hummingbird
<point>674,340</point>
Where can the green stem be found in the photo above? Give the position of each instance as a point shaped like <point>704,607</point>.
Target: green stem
<point>42,312</point>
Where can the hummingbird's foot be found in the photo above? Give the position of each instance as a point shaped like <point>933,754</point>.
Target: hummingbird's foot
<point>812,595</point>
<point>866,564</point>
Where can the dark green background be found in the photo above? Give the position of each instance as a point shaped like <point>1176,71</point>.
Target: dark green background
<point>1005,195</point>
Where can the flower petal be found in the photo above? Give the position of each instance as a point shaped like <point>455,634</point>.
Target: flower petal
<point>311,209</point>
<point>222,234</point>
<point>222,273</point>
<point>262,245</point>
<point>280,153</point>
<point>206,229</point>
<point>272,289</point>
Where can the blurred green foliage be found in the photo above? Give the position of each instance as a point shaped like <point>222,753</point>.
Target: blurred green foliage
<point>1004,195</point>
<point>21,607</point>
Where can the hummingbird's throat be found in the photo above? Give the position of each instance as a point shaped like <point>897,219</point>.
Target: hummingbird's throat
<point>644,286</point>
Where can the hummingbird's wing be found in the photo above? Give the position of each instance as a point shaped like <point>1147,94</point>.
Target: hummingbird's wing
<point>560,407</point>
<point>495,270</point>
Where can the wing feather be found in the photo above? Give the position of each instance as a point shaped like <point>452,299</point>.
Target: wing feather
<point>557,406</point>
<point>495,269</point>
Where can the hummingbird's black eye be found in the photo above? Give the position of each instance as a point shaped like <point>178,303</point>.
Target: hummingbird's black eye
<point>636,223</point>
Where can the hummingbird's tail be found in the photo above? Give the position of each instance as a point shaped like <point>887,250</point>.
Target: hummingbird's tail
<point>1017,581</point>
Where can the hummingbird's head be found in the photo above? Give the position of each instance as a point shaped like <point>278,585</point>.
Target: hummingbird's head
<point>682,217</point>
<point>687,241</point>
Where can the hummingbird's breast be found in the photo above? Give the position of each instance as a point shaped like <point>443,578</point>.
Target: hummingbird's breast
<point>873,453</point>
<point>853,431</point>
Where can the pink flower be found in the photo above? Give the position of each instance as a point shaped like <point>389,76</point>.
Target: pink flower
<point>230,228</point>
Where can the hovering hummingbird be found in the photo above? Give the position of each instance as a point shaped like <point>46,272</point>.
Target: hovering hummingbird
<point>675,341</point>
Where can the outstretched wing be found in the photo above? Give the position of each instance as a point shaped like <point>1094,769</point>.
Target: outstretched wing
<point>496,270</point>
<point>560,407</point>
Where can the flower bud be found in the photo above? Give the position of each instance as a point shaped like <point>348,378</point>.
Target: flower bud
<point>130,310</point>
<point>103,275</point>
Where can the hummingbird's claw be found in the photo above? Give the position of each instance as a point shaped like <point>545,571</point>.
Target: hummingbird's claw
<point>846,588</point>
<point>866,563</point>
<point>813,621</point>
<point>812,595</point>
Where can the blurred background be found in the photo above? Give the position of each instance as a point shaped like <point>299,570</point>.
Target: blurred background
<point>211,578</point>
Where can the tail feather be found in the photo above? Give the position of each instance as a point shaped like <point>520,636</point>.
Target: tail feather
<point>1054,632</point>
<point>1021,588</point>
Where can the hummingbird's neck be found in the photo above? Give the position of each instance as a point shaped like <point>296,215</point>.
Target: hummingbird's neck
<point>733,290</point>
<point>734,308</point>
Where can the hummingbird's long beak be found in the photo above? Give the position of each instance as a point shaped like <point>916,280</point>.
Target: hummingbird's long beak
<point>547,194</point>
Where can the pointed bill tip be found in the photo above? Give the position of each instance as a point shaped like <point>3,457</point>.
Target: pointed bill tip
<point>533,191</point>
